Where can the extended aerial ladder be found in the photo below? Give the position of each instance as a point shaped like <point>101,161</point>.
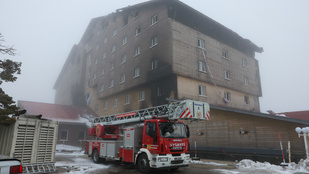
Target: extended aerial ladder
<point>186,109</point>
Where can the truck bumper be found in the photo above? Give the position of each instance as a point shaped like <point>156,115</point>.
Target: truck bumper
<point>169,161</point>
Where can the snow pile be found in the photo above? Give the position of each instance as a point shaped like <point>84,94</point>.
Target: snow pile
<point>249,166</point>
<point>67,148</point>
<point>207,163</point>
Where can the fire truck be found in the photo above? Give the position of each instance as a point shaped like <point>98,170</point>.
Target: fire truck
<point>151,138</point>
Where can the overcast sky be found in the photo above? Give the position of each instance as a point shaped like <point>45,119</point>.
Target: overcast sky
<point>44,31</point>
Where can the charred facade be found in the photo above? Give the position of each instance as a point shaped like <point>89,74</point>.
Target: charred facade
<point>142,54</point>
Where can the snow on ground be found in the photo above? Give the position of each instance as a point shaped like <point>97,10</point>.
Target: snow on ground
<point>250,167</point>
<point>78,164</point>
<point>207,163</point>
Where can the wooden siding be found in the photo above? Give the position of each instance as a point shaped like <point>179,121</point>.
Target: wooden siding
<point>223,130</point>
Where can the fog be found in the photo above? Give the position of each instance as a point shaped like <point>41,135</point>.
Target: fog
<point>43,32</point>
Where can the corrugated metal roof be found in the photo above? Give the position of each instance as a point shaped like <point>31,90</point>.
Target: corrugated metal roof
<point>288,119</point>
<point>55,111</point>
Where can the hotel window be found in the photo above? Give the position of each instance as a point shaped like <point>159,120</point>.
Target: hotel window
<point>111,83</point>
<point>115,32</point>
<point>112,65</point>
<point>201,43</point>
<point>105,39</point>
<point>115,102</point>
<point>201,66</point>
<point>104,55</point>
<point>105,105</point>
<point>136,72</point>
<point>154,64</point>
<point>137,51</point>
<point>94,76</point>
<point>122,78</point>
<point>96,61</point>
<point>141,95</point>
<point>202,90</point>
<point>154,41</point>
<point>64,135</point>
<point>246,81</point>
<point>227,96</point>
<point>227,74</point>
<point>124,40</point>
<point>244,62</point>
<point>225,54</point>
<point>123,58</point>
<point>97,47</point>
<point>127,99</point>
<point>82,135</point>
<point>159,91</point>
<point>102,71</point>
<point>138,31</point>
<point>246,98</point>
<point>135,14</point>
<point>113,48</point>
<point>102,88</point>
<point>154,19</point>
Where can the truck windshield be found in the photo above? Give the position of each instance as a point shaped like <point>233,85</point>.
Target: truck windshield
<point>172,130</point>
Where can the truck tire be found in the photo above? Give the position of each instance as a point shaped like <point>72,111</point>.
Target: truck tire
<point>143,163</point>
<point>95,156</point>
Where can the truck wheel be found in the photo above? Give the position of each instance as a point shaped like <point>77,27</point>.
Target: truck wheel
<point>95,156</point>
<point>143,163</point>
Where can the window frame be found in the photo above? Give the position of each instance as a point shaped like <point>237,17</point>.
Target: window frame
<point>247,100</point>
<point>111,83</point>
<point>154,19</point>
<point>66,136</point>
<point>246,81</point>
<point>123,59</point>
<point>227,96</point>
<point>202,66</point>
<point>137,51</point>
<point>106,105</point>
<point>141,96</point>
<point>122,78</point>
<point>225,54</point>
<point>202,90</point>
<point>199,41</point>
<point>154,41</point>
<point>137,72</point>
<point>115,102</point>
<point>138,31</point>
<point>127,100</point>
<point>227,74</point>
<point>124,40</point>
<point>154,64</point>
<point>102,87</point>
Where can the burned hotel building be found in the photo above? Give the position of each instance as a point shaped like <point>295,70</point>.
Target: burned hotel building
<point>142,55</point>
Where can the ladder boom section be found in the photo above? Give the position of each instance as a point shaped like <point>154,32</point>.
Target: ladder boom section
<point>186,109</point>
<point>134,116</point>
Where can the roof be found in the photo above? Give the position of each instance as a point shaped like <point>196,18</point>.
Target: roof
<point>257,114</point>
<point>303,115</point>
<point>55,112</point>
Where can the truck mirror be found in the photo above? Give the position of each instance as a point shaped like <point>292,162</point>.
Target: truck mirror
<point>187,131</point>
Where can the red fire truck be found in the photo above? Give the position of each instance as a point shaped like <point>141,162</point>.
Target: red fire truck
<point>152,138</point>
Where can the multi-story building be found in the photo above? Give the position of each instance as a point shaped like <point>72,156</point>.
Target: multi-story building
<point>142,55</point>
